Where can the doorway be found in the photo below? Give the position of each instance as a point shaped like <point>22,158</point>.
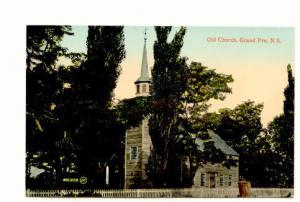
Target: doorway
<point>212,180</point>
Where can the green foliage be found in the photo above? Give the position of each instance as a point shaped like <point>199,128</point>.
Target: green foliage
<point>169,72</point>
<point>43,85</point>
<point>241,128</point>
<point>88,103</point>
<point>204,83</point>
<point>76,58</point>
<point>70,118</point>
<point>266,155</point>
<point>154,168</point>
<point>289,95</point>
<point>282,131</point>
<point>177,90</point>
<point>244,120</point>
<point>132,111</point>
<point>96,79</point>
<point>42,45</point>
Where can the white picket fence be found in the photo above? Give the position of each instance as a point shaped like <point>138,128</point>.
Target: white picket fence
<point>158,193</point>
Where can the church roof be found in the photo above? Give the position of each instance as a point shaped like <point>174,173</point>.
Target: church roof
<point>144,77</point>
<point>218,142</point>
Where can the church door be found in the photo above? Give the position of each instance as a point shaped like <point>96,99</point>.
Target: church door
<point>212,180</point>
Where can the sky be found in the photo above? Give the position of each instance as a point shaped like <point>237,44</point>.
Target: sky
<point>258,66</point>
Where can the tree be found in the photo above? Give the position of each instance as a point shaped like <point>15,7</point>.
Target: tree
<point>287,142</point>
<point>266,155</point>
<point>131,112</point>
<point>177,89</point>
<point>203,84</point>
<point>168,73</point>
<point>282,131</point>
<point>90,116</point>
<point>43,45</point>
<point>42,84</point>
<point>72,105</point>
<point>241,128</point>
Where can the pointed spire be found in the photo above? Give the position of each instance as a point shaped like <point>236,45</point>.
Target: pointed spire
<point>144,70</point>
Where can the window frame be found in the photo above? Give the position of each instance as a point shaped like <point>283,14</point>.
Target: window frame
<point>136,156</point>
<point>229,180</point>
<point>202,180</point>
<point>221,178</point>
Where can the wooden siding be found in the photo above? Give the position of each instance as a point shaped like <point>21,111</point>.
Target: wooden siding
<point>218,170</point>
<point>136,169</point>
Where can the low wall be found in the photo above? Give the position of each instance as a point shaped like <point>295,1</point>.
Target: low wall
<point>271,192</point>
<point>157,193</point>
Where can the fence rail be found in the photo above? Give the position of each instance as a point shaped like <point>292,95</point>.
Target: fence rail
<point>158,193</point>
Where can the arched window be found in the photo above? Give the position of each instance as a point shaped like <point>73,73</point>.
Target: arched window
<point>137,88</point>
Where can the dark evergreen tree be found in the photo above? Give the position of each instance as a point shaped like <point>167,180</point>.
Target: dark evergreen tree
<point>288,110</point>
<point>70,117</point>
<point>43,45</point>
<point>42,86</point>
<point>93,122</point>
<point>282,131</point>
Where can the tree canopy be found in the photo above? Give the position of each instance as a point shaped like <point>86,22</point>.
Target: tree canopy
<point>241,128</point>
<point>73,123</point>
<point>281,130</point>
<point>43,85</point>
<point>70,118</point>
<point>177,89</point>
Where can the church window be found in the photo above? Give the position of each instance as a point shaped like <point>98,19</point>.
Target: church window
<point>221,180</point>
<point>202,180</point>
<point>138,89</point>
<point>144,88</point>
<point>229,180</point>
<point>133,153</point>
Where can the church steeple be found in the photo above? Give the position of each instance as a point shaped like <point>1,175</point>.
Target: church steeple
<point>143,82</point>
